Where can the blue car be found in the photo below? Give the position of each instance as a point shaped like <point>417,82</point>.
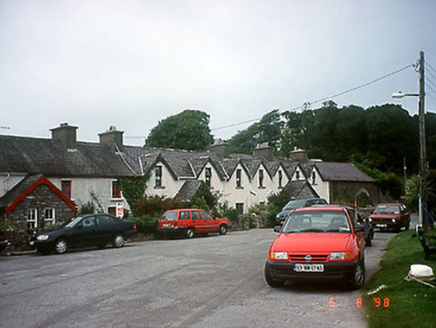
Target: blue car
<point>297,203</point>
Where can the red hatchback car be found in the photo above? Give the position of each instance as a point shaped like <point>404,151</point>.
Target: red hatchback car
<point>322,242</point>
<point>191,221</point>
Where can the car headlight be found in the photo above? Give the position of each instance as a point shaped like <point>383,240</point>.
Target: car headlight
<point>393,220</point>
<point>337,256</point>
<point>370,220</point>
<point>341,256</point>
<point>280,255</point>
<point>42,237</point>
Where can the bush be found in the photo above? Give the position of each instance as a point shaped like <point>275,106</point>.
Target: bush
<point>145,224</point>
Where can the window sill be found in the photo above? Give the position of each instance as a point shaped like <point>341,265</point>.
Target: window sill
<point>159,187</point>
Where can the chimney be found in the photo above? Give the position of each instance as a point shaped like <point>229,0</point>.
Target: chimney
<point>265,151</point>
<point>221,147</point>
<point>66,134</point>
<point>299,155</point>
<point>113,139</point>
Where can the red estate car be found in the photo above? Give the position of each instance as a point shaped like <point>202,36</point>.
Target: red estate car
<point>390,216</point>
<point>322,242</point>
<point>191,221</point>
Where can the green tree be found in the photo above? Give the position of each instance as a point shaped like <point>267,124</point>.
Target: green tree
<point>188,130</point>
<point>268,129</point>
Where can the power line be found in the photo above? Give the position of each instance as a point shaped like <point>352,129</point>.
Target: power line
<point>431,67</point>
<point>307,104</point>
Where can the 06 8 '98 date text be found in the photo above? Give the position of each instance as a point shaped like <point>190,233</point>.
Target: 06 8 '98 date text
<point>377,302</point>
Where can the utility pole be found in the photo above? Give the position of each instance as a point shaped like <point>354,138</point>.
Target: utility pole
<point>422,147</point>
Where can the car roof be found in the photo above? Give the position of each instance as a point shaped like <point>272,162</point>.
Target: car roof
<point>321,207</point>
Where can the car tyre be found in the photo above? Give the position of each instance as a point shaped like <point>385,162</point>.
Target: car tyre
<point>270,280</point>
<point>190,233</point>
<point>223,229</point>
<point>118,240</point>
<point>60,246</point>
<point>358,278</point>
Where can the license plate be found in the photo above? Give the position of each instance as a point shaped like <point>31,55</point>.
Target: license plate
<point>303,267</point>
<point>167,225</point>
<point>381,225</point>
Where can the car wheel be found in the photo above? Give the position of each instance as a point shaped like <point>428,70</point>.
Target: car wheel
<point>60,246</point>
<point>270,280</point>
<point>358,278</point>
<point>118,241</point>
<point>223,229</point>
<point>190,233</point>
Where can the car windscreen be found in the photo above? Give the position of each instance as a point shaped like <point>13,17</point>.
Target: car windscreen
<point>387,209</point>
<point>317,221</point>
<point>293,204</point>
<point>169,216</point>
<point>72,223</point>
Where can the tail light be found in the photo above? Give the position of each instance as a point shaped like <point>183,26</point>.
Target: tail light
<point>134,226</point>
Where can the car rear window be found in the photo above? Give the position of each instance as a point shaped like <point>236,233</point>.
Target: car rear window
<point>317,221</point>
<point>169,216</point>
<point>387,209</point>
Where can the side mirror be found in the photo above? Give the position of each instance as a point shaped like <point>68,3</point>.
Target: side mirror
<point>277,228</point>
<point>359,228</point>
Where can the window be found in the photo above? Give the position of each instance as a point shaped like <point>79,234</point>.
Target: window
<point>116,189</point>
<point>261,177</point>
<point>184,215</point>
<point>196,215</point>
<point>313,177</point>
<point>105,220</point>
<point>297,175</point>
<point>49,216</point>
<point>88,222</point>
<point>32,215</point>
<point>280,179</point>
<point>66,188</point>
<point>158,177</point>
<point>238,178</point>
<point>206,216</point>
<point>240,208</point>
<point>208,173</point>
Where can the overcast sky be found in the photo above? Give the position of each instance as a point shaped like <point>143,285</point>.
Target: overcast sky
<point>132,63</point>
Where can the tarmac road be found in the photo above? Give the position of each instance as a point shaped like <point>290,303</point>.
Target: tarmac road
<point>216,281</point>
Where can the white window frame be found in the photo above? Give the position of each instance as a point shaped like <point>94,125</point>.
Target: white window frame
<point>32,218</point>
<point>51,219</point>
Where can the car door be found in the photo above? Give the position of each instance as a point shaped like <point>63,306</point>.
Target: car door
<point>85,232</point>
<point>210,224</point>
<point>105,228</point>
<point>359,235</point>
<point>198,221</point>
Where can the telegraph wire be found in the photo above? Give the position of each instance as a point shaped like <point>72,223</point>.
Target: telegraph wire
<point>307,104</point>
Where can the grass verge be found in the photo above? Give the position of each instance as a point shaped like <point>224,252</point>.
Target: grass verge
<point>402,303</point>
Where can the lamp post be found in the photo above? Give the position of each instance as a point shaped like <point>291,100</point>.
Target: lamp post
<point>422,146</point>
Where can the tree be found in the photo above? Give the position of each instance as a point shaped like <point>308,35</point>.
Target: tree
<point>268,129</point>
<point>188,130</point>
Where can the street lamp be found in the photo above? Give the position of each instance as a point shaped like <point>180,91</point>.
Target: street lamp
<point>399,94</point>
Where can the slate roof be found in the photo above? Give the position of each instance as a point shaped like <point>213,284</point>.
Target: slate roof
<point>51,158</point>
<point>300,189</point>
<point>18,190</point>
<point>188,189</point>
<point>332,171</point>
<point>48,157</point>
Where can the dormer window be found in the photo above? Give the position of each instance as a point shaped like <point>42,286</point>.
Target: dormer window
<point>297,175</point>
<point>238,178</point>
<point>208,174</point>
<point>313,177</point>
<point>280,179</point>
<point>158,177</point>
<point>261,178</point>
